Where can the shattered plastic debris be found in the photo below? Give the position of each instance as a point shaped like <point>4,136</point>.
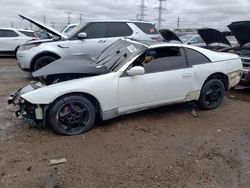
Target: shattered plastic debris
<point>194,113</point>
<point>57,161</point>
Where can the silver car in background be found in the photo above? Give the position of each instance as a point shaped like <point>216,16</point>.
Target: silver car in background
<point>88,38</point>
<point>193,39</point>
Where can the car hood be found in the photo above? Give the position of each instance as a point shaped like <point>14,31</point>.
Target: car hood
<point>169,35</point>
<point>75,64</point>
<point>44,27</point>
<point>213,36</point>
<point>241,31</point>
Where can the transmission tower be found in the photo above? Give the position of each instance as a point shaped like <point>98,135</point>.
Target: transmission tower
<point>160,11</point>
<point>69,18</point>
<point>80,17</point>
<point>142,7</point>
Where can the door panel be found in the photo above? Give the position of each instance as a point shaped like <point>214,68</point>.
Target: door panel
<point>167,79</point>
<point>147,89</point>
<point>95,42</point>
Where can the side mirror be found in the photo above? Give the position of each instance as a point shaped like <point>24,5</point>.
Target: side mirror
<point>137,70</point>
<point>82,35</point>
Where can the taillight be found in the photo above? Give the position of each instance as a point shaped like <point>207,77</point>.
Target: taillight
<point>248,75</point>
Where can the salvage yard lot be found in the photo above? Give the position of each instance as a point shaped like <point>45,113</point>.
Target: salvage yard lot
<point>165,147</point>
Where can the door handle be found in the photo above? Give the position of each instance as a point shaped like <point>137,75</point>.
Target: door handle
<point>187,75</point>
<point>101,41</point>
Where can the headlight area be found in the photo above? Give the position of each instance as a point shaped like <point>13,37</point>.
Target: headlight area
<point>25,47</point>
<point>32,114</point>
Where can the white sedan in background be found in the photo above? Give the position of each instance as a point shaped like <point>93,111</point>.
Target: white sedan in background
<point>11,39</point>
<point>127,77</point>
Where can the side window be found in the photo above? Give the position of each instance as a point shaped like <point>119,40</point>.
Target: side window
<point>147,28</point>
<point>117,29</point>
<point>8,33</point>
<point>167,58</point>
<point>195,58</point>
<point>96,30</point>
<point>2,33</point>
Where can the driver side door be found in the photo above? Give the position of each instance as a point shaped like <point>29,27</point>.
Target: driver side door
<point>95,42</point>
<point>166,80</point>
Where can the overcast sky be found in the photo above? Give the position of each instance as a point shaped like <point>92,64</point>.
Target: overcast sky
<point>192,13</point>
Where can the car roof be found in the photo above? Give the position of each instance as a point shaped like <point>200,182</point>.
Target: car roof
<point>8,28</point>
<point>125,21</point>
<point>25,30</point>
<point>14,29</point>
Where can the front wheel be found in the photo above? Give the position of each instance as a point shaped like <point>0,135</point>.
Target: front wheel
<point>42,62</point>
<point>72,115</point>
<point>212,94</point>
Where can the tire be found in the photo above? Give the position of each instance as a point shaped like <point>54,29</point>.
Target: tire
<point>43,61</point>
<point>212,94</point>
<point>72,115</point>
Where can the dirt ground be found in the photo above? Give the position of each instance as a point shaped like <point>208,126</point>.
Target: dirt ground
<point>165,147</point>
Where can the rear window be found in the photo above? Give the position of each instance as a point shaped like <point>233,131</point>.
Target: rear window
<point>28,33</point>
<point>195,58</point>
<point>147,28</point>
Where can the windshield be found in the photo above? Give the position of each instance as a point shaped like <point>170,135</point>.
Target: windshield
<point>75,29</point>
<point>119,53</point>
<point>185,38</point>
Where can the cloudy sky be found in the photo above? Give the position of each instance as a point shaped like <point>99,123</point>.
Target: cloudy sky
<point>192,13</point>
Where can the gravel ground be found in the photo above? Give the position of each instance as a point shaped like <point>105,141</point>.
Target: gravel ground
<point>165,147</point>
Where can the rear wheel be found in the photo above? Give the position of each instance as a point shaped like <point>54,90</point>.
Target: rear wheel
<point>43,61</point>
<point>72,115</point>
<point>212,94</point>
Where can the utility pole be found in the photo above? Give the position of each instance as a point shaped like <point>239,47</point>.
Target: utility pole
<point>69,18</point>
<point>142,8</point>
<point>12,24</point>
<point>80,17</point>
<point>31,26</point>
<point>160,11</point>
<point>178,23</point>
<point>53,24</point>
<point>44,19</point>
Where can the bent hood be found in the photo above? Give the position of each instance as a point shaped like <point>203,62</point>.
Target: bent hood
<point>241,31</point>
<point>76,64</point>
<point>169,35</point>
<point>213,36</point>
<point>44,27</point>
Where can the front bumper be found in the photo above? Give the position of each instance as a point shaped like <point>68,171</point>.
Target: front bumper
<point>25,110</point>
<point>23,59</point>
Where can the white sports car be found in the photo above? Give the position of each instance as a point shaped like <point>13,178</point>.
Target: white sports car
<point>126,77</point>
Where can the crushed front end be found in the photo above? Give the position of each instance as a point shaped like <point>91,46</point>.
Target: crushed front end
<point>32,114</point>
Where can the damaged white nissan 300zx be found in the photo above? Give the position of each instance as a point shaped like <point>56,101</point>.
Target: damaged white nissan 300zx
<point>126,77</point>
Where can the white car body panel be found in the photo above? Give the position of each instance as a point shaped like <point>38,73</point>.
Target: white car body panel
<point>119,95</point>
